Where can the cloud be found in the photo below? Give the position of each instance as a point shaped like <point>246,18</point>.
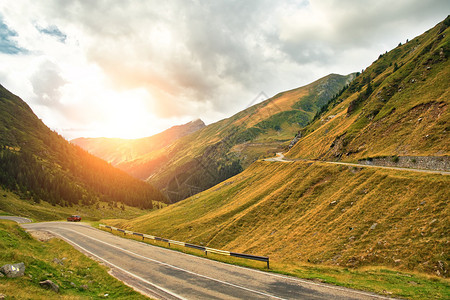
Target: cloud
<point>54,31</point>
<point>47,82</point>
<point>204,59</point>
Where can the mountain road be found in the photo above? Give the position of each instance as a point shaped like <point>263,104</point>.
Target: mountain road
<point>281,158</point>
<point>19,220</point>
<point>166,274</point>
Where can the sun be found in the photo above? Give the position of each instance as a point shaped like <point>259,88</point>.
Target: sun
<point>128,115</point>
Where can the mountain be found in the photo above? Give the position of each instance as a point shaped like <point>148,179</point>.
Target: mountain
<point>321,213</point>
<point>117,151</point>
<point>215,153</point>
<point>40,165</point>
<point>397,107</point>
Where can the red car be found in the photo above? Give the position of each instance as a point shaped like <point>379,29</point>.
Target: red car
<point>74,218</point>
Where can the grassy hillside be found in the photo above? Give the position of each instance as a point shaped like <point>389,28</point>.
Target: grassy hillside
<point>318,213</point>
<point>117,151</point>
<point>77,276</point>
<point>39,164</point>
<point>397,106</point>
<point>223,149</point>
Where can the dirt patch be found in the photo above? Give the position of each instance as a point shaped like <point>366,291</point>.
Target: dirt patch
<point>42,236</point>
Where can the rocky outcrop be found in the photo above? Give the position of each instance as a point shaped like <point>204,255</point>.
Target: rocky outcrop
<point>295,140</point>
<point>12,271</point>
<point>49,285</point>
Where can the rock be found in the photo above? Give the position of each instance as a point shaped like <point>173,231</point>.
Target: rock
<point>73,284</point>
<point>58,261</point>
<point>374,225</point>
<point>333,202</point>
<point>105,295</point>
<point>12,271</point>
<point>49,285</point>
<point>84,287</point>
<point>2,296</point>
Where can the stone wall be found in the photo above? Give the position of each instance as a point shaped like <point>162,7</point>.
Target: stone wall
<point>441,163</point>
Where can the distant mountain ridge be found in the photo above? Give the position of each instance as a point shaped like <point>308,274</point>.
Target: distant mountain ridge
<point>41,165</point>
<point>223,149</point>
<point>116,151</point>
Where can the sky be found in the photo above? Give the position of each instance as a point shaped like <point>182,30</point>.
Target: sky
<point>132,68</point>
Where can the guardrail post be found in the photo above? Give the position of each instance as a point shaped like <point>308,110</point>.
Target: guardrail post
<point>268,264</point>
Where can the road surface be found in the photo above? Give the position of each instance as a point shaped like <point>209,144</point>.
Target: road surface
<point>281,158</point>
<point>165,274</point>
<point>19,220</point>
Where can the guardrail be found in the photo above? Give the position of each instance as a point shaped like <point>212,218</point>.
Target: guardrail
<point>202,248</point>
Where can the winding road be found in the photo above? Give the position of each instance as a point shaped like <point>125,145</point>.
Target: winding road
<point>281,158</point>
<point>20,220</point>
<point>166,274</point>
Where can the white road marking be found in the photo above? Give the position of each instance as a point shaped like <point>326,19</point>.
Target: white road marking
<point>117,267</point>
<point>177,268</point>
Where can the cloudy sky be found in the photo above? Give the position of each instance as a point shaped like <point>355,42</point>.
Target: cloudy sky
<point>132,68</point>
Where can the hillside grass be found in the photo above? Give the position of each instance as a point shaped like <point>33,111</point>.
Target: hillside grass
<point>318,214</point>
<point>59,262</point>
<point>406,112</point>
<point>11,204</point>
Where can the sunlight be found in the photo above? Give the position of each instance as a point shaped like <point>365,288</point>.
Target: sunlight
<point>127,115</point>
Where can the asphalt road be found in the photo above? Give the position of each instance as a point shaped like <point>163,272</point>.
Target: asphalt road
<point>281,158</point>
<point>19,220</point>
<point>165,274</point>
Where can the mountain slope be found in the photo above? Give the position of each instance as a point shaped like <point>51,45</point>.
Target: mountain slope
<point>116,151</point>
<point>318,213</point>
<point>322,213</point>
<point>40,165</point>
<point>397,107</point>
<point>223,149</point>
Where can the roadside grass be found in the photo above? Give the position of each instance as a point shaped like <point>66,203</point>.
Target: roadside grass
<point>376,279</point>
<point>11,204</point>
<point>77,276</point>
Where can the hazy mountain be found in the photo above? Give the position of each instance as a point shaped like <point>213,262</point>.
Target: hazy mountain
<point>41,165</point>
<point>116,151</point>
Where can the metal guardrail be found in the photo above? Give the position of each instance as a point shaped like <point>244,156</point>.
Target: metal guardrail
<point>202,248</point>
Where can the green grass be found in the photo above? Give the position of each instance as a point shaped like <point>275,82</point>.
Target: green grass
<point>90,279</point>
